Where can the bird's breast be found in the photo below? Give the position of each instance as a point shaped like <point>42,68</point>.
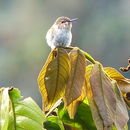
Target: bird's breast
<point>63,37</point>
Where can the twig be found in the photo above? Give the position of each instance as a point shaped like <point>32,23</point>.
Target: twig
<point>125,69</point>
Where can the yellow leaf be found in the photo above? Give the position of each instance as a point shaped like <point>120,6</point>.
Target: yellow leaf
<point>77,76</point>
<point>72,108</point>
<point>113,73</point>
<point>123,82</point>
<point>41,77</point>
<point>53,77</point>
<point>103,95</point>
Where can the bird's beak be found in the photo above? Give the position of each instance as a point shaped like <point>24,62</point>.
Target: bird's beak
<point>71,20</point>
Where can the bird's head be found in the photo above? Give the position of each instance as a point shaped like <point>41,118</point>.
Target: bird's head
<point>64,23</point>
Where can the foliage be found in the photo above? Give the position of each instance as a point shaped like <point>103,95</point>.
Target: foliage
<point>67,76</point>
<point>17,113</point>
<point>76,95</point>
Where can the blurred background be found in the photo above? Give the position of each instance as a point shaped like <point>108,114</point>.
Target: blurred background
<point>103,30</point>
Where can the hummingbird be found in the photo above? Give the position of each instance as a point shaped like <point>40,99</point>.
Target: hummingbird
<point>59,35</point>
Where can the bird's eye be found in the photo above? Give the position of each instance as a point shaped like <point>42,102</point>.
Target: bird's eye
<point>62,21</point>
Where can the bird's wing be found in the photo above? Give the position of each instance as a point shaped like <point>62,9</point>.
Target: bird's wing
<point>50,34</point>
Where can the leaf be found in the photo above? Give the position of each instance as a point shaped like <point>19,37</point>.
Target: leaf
<point>82,120</point>
<point>113,73</point>
<point>103,95</point>
<point>41,77</point>
<point>53,122</point>
<point>84,116</point>
<point>121,110</point>
<point>54,107</point>
<point>124,85</point>
<point>64,117</point>
<point>49,125</point>
<point>93,107</point>
<point>53,77</point>
<point>15,94</point>
<point>72,108</point>
<point>123,82</point>
<point>4,108</point>
<point>120,116</point>
<point>22,114</point>
<point>77,76</point>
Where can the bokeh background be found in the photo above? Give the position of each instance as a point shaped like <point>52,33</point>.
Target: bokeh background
<point>103,30</point>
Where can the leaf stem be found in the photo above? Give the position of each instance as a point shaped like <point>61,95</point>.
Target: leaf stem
<point>88,57</point>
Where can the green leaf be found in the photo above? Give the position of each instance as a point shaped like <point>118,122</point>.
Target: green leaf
<point>19,114</point>
<point>77,76</point>
<point>64,116</point>
<point>49,125</point>
<point>54,123</point>
<point>53,77</point>
<point>83,118</point>
<point>27,115</point>
<point>15,94</point>
<point>4,108</point>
